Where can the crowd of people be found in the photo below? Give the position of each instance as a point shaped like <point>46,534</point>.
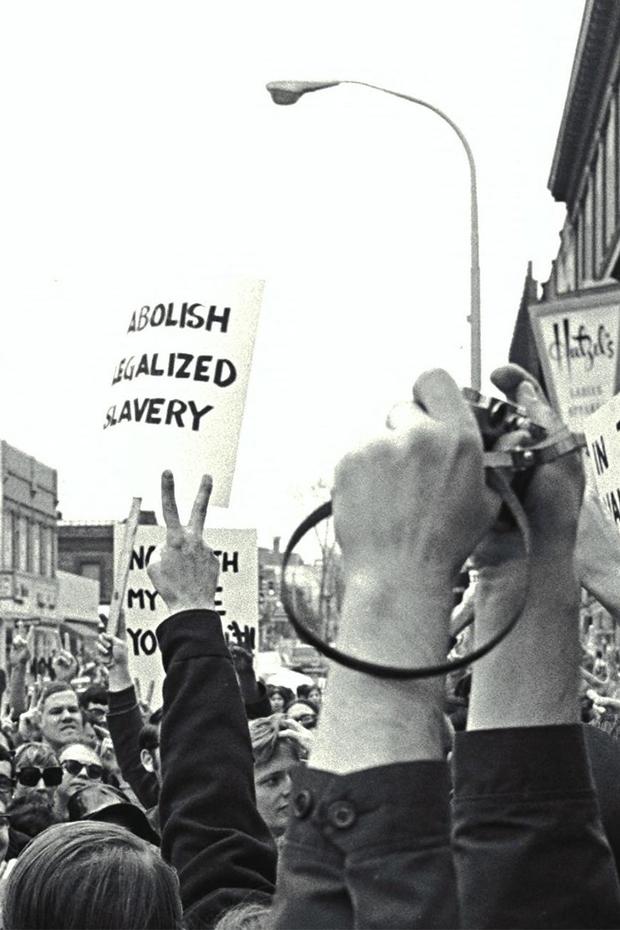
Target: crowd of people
<point>483,799</point>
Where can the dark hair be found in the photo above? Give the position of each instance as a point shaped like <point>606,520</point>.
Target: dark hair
<point>303,691</point>
<point>91,875</point>
<point>285,693</point>
<point>149,737</point>
<point>31,814</point>
<point>94,694</point>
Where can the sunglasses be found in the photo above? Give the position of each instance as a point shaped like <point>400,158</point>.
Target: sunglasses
<point>31,775</point>
<point>73,767</point>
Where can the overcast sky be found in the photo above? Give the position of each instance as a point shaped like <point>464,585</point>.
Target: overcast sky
<point>139,144</point>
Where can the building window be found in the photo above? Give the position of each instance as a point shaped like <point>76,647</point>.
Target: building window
<point>588,235</point>
<point>22,544</point>
<point>580,222</point>
<point>35,548</point>
<point>46,551</point>
<point>91,570</point>
<point>571,259</point>
<point>7,539</point>
<point>611,177</point>
<point>599,209</point>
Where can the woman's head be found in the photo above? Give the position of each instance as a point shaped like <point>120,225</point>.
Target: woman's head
<point>37,773</point>
<point>91,875</point>
<point>281,694</point>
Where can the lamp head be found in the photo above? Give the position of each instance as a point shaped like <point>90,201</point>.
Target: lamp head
<point>287,92</point>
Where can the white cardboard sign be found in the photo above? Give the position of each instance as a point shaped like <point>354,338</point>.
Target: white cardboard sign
<point>602,431</point>
<point>236,598</point>
<point>178,386</point>
<point>577,340</point>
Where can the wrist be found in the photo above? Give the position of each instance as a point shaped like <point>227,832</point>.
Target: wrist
<point>395,620</point>
<point>401,721</point>
<point>119,679</point>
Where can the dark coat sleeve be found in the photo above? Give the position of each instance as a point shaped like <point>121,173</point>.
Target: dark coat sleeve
<point>261,707</point>
<point>212,832</point>
<point>529,845</point>
<point>124,723</point>
<point>369,849</point>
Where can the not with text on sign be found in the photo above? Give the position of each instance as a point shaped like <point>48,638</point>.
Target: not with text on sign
<point>178,384</point>
<point>602,431</point>
<point>236,598</point>
<point>577,341</point>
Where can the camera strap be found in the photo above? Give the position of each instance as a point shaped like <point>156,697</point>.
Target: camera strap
<point>499,483</point>
<point>558,443</point>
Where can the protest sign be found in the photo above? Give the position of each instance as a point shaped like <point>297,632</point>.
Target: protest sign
<point>121,572</point>
<point>577,342</point>
<point>178,386</point>
<point>602,431</point>
<point>236,597</point>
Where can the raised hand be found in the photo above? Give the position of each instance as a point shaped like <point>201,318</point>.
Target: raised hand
<point>64,665</point>
<point>29,725</point>
<point>408,510</point>
<point>114,655</point>
<point>20,652</point>
<point>185,570</point>
<point>531,678</point>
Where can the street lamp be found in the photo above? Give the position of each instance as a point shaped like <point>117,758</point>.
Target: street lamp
<point>286,93</point>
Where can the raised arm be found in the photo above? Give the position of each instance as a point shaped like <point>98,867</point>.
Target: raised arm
<point>211,831</point>
<point>526,815</point>
<point>124,718</point>
<point>369,844</point>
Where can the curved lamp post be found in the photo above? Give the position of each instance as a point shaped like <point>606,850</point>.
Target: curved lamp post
<point>286,93</point>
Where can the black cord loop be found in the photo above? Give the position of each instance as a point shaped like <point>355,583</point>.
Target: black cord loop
<point>499,483</point>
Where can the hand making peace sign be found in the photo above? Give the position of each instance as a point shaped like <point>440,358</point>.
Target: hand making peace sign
<point>184,570</point>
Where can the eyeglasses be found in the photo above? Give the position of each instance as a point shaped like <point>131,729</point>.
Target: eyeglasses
<point>73,767</point>
<point>31,775</point>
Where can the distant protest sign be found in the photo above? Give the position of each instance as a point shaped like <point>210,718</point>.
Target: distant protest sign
<point>602,431</point>
<point>179,380</point>
<point>236,597</point>
<point>577,340</point>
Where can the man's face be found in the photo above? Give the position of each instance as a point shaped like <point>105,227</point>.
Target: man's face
<point>272,782</point>
<point>81,767</point>
<point>61,720</point>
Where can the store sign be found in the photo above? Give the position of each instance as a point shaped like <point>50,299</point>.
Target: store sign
<point>577,340</point>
